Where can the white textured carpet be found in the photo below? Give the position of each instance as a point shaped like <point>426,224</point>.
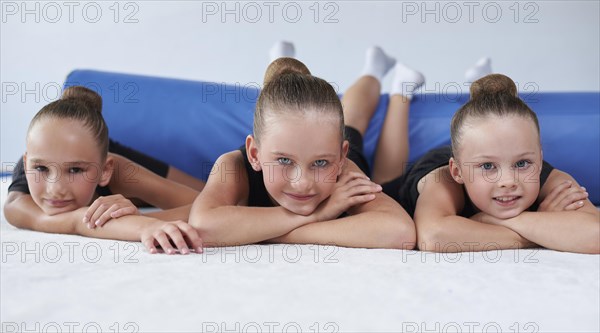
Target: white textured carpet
<point>66,283</point>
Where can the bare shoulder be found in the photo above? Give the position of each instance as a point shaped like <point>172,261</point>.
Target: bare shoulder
<point>232,157</point>
<point>227,183</point>
<point>439,193</point>
<point>436,179</point>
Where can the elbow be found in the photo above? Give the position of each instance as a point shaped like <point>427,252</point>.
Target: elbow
<point>401,235</point>
<point>202,223</point>
<point>198,221</point>
<point>593,245</point>
<point>11,209</point>
<point>590,243</point>
<point>430,237</point>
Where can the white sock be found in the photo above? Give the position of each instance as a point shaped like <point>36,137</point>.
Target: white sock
<point>282,49</point>
<point>481,68</point>
<point>406,81</point>
<point>377,63</point>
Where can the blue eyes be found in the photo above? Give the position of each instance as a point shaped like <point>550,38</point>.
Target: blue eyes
<point>317,163</point>
<point>487,166</point>
<point>522,164</point>
<point>284,161</point>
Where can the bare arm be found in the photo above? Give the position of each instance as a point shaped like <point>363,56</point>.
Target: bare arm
<point>134,181</point>
<point>381,223</point>
<point>22,212</point>
<point>570,230</point>
<point>222,218</point>
<point>440,229</point>
<point>131,181</point>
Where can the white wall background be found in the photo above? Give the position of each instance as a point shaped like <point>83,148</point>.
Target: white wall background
<point>553,44</point>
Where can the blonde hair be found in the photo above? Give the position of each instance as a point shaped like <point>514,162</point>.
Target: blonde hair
<point>289,88</point>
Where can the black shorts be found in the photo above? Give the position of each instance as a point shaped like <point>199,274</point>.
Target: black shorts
<point>355,153</point>
<point>404,188</point>
<point>158,167</point>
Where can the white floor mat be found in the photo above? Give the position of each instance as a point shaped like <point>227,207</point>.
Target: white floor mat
<point>69,283</point>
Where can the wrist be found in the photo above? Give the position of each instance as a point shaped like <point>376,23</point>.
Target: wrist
<point>515,221</point>
<point>299,220</point>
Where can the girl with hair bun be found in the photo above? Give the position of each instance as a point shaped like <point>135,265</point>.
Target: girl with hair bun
<point>301,176</point>
<point>68,182</point>
<point>492,189</point>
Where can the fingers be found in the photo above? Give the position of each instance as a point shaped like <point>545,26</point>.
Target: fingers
<point>104,214</point>
<point>361,186</point>
<point>150,244</point>
<point>575,205</point>
<point>360,199</point>
<point>106,208</point>
<point>163,241</point>
<point>192,236</point>
<point>90,212</point>
<point>565,196</point>
<point>129,210</point>
<point>568,195</point>
<point>179,234</point>
<point>551,197</point>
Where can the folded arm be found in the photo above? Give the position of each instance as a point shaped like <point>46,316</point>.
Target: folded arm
<point>380,223</point>
<point>222,218</point>
<point>441,229</point>
<point>22,212</point>
<point>568,230</point>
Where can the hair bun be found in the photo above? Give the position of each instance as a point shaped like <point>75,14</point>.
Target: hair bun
<point>85,96</point>
<point>493,85</point>
<point>283,66</point>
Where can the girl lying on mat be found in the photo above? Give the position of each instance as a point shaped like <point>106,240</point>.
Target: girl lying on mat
<point>68,182</point>
<point>492,189</point>
<point>301,175</point>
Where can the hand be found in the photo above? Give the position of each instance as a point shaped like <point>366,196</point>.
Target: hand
<point>565,196</point>
<point>352,188</point>
<point>165,234</point>
<point>110,207</point>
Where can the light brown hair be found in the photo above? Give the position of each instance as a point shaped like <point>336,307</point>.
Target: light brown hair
<point>78,105</point>
<point>290,88</point>
<point>492,95</point>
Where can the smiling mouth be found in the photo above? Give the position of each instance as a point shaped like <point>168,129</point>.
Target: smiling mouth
<point>300,197</point>
<point>58,203</point>
<point>507,200</point>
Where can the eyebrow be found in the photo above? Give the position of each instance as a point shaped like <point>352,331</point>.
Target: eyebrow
<point>41,161</point>
<point>492,157</point>
<point>320,156</point>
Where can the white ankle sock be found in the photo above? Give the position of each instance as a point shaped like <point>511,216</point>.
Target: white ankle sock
<point>377,63</point>
<point>481,68</point>
<point>282,49</point>
<point>406,81</point>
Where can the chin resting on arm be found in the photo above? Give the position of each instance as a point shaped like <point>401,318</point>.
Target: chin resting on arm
<point>441,229</point>
<point>377,223</point>
<point>22,212</point>
<point>570,222</point>
<point>221,216</point>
